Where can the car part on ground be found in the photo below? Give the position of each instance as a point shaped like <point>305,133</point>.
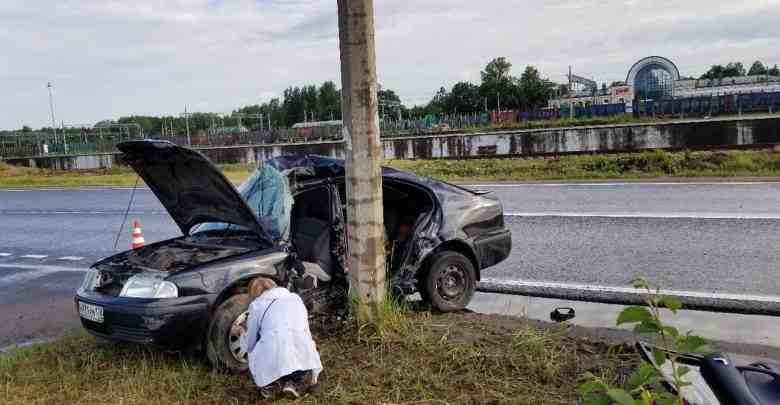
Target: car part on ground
<point>714,379</point>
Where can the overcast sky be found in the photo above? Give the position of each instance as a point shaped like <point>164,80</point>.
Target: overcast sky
<point>112,58</point>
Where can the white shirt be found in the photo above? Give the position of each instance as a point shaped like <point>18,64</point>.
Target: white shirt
<point>285,344</point>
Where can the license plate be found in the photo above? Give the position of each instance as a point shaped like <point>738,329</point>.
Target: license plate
<point>91,312</point>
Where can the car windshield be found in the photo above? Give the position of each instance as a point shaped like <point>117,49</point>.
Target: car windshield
<point>267,192</point>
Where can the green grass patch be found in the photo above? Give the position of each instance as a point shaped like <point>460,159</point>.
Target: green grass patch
<point>455,358</point>
<point>15,176</point>
<point>646,164</point>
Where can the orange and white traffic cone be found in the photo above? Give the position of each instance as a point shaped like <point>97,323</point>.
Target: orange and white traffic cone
<point>138,235</point>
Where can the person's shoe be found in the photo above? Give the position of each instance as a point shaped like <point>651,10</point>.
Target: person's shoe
<point>291,390</point>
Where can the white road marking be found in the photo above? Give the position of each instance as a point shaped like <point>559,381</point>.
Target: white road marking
<point>38,272</point>
<point>630,290</point>
<point>34,256</point>
<point>5,254</point>
<point>71,258</point>
<point>669,215</point>
<point>621,184</point>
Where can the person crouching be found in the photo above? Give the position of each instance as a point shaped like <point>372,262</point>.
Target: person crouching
<point>282,354</point>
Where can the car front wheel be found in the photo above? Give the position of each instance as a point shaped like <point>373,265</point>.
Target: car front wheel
<point>449,282</point>
<point>222,347</point>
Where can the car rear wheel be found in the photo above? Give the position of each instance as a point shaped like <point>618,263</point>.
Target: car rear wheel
<point>222,347</point>
<point>449,282</point>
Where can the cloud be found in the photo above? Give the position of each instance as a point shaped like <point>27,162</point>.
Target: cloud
<point>108,58</point>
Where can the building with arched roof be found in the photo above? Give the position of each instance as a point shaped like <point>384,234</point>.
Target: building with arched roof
<point>653,77</point>
<point>656,78</point>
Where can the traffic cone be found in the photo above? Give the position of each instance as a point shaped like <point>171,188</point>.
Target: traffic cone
<point>138,235</point>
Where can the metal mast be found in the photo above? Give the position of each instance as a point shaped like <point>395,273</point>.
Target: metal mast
<point>51,108</point>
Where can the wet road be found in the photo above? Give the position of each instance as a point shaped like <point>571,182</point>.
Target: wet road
<point>702,236</point>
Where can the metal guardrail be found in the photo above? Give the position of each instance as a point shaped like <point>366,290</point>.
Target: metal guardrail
<point>711,302</point>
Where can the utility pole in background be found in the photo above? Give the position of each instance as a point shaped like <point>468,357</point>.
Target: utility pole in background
<point>187,125</point>
<point>365,213</point>
<point>51,108</point>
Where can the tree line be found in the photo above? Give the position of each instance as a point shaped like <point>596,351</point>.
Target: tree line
<point>733,69</point>
<point>498,88</point>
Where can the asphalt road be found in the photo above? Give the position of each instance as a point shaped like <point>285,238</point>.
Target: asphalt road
<point>714,237</point>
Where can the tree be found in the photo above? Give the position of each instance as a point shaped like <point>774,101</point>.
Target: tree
<point>310,104</point>
<point>496,71</point>
<point>497,83</point>
<point>26,129</point>
<point>734,69</point>
<point>719,72</point>
<point>293,106</point>
<point>534,90</point>
<point>774,71</point>
<point>329,100</point>
<point>757,68</point>
<point>464,98</point>
<point>715,72</point>
<point>439,103</point>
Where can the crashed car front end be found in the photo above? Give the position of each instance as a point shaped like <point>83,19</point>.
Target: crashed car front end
<point>164,293</point>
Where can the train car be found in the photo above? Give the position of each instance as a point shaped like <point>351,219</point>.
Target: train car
<point>320,130</point>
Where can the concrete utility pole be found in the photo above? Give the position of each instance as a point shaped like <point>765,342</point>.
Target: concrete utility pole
<point>365,214</point>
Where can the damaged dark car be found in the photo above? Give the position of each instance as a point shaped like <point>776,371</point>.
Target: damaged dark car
<point>286,222</point>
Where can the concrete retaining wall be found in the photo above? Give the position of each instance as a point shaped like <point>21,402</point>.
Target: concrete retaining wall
<point>725,133</point>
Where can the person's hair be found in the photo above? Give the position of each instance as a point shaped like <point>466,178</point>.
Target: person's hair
<point>259,285</point>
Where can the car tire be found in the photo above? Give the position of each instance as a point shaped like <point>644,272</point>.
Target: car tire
<point>449,282</point>
<point>218,339</point>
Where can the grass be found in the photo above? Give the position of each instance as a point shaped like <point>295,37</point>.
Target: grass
<point>15,176</point>
<point>434,359</point>
<point>646,164</point>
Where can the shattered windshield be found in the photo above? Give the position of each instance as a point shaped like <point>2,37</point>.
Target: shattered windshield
<point>267,192</point>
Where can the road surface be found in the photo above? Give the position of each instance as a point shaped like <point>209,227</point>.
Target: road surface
<point>701,236</point>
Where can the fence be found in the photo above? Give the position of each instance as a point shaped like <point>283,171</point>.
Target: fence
<point>709,105</point>
<point>104,141</point>
<point>46,144</point>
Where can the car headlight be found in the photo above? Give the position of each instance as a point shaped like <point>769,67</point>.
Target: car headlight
<point>90,280</point>
<point>148,287</point>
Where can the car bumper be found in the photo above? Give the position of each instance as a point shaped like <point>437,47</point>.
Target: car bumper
<point>494,248</point>
<point>174,322</point>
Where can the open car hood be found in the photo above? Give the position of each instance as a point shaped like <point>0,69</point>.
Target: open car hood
<point>189,186</point>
